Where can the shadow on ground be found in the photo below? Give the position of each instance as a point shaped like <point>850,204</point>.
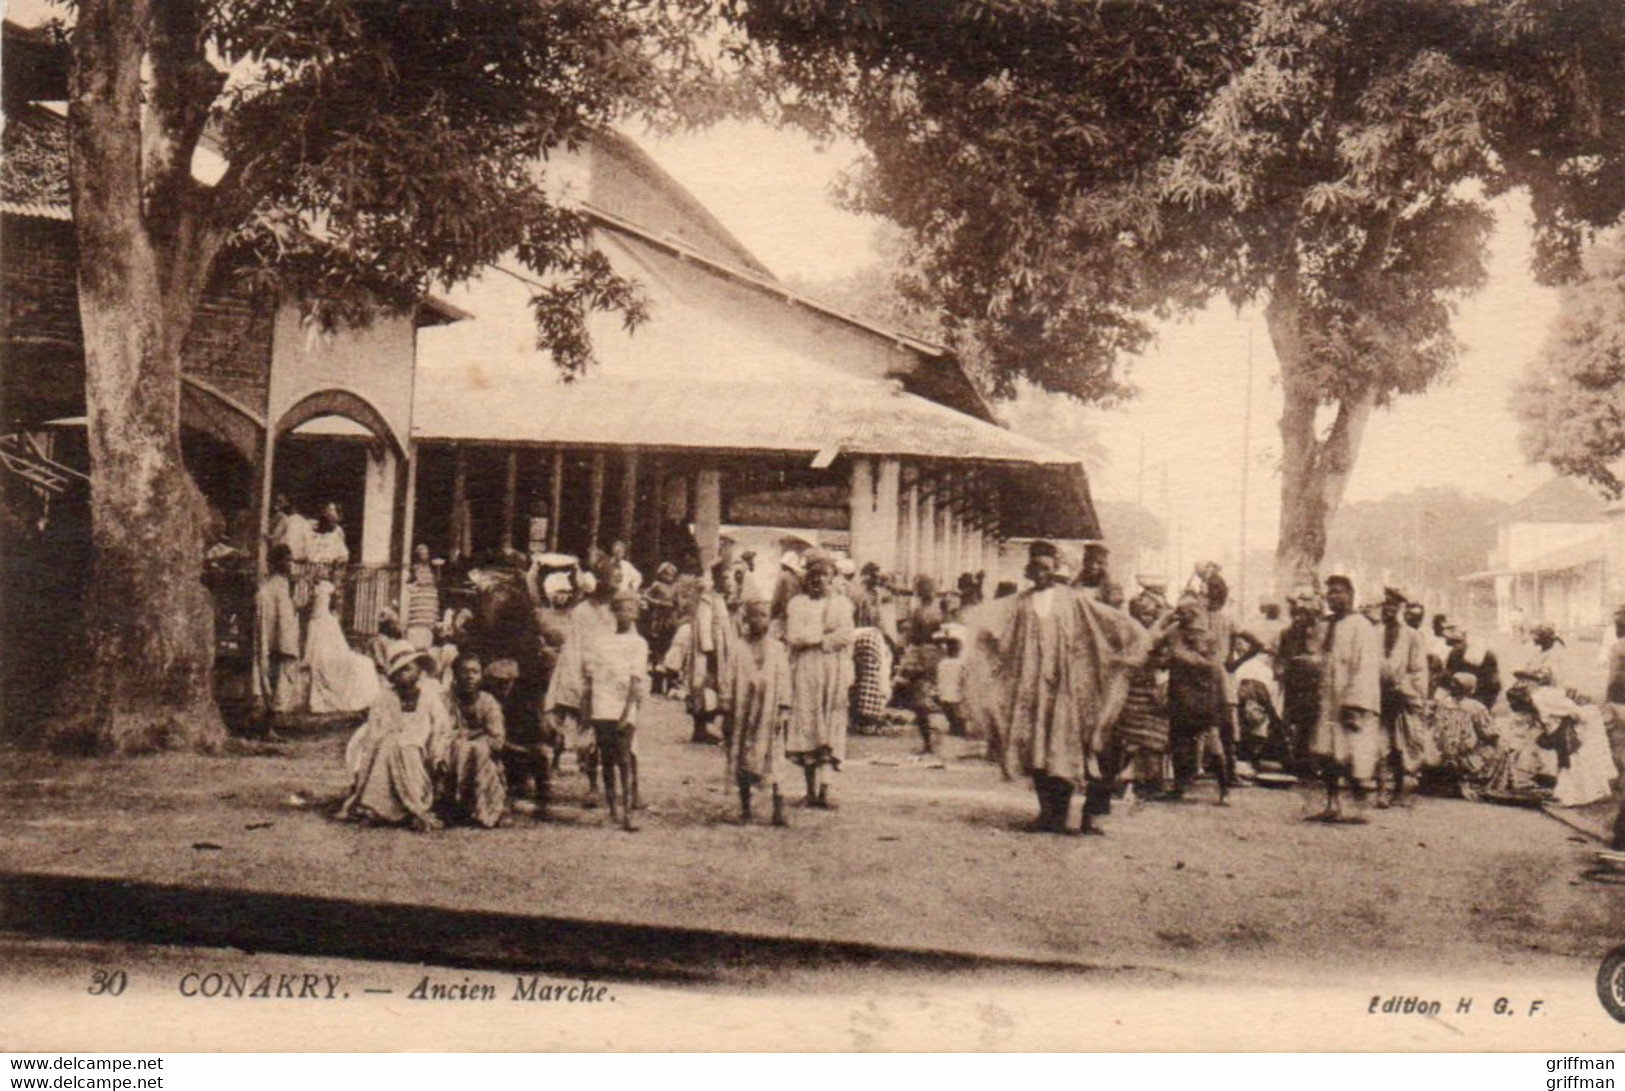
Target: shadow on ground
<point>88,908</point>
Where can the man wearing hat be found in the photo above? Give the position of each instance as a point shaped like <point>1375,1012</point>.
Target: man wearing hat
<point>1347,739</point>
<point>1060,659</point>
<point>1404,686</point>
<point>394,756</point>
<point>1094,570</point>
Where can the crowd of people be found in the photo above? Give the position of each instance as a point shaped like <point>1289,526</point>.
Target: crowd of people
<point>1070,684</point>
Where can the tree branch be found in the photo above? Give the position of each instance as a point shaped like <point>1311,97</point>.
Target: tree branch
<point>184,87</point>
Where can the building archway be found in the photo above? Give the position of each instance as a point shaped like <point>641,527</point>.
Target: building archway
<point>334,446</point>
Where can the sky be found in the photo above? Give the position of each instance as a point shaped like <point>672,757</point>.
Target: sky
<point>774,191</point>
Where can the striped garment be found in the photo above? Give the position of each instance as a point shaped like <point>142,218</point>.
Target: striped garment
<point>871,661</point>
<point>1143,724</point>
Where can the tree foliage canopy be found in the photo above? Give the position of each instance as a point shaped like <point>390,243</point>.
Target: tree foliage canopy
<point>1572,401</point>
<point>1068,169</point>
<point>374,148</point>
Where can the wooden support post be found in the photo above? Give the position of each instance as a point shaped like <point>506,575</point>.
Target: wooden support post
<point>629,499</point>
<point>657,509</point>
<point>408,526</point>
<point>510,499</point>
<point>929,557</point>
<point>266,486</point>
<point>461,533</point>
<point>911,530</point>
<point>555,498</point>
<point>595,518</point>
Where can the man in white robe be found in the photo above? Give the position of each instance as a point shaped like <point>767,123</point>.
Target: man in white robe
<point>1348,733</point>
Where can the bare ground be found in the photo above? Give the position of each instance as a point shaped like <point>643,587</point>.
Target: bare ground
<point>920,856</point>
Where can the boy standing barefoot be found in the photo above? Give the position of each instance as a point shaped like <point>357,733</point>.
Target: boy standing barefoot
<point>616,670</point>
<point>756,704</point>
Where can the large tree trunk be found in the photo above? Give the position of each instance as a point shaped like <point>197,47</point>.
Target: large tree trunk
<point>149,639</point>
<point>1314,468</point>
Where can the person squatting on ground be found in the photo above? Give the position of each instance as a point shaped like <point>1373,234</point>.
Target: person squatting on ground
<point>474,787</point>
<point>818,634</point>
<point>1348,733</point>
<point>394,756</point>
<point>756,699</point>
<point>616,681</point>
<point>1404,688</point>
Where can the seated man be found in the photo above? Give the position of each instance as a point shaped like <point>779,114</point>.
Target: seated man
<point>474,786</point>
<point>393,756</point>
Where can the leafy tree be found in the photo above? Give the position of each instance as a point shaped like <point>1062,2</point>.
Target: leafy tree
<point>373,147</point>
<point>1066,170</point>
<point>1572,401</point>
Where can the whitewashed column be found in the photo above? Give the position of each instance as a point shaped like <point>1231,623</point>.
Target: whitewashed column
<point>860,508</point>
<point>708,515</point>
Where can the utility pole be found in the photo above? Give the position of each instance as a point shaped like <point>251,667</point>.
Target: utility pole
<point>1243,610</point>
<point>1141,549</point>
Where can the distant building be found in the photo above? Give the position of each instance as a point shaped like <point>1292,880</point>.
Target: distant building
<point>1559,557</point>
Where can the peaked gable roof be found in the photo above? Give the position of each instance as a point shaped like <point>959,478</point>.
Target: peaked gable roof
<point>1560,500</point>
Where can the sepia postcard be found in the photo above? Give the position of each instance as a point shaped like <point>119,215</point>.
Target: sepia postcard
<point>533,525</point>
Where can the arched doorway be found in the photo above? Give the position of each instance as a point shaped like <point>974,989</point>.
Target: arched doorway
<point>334,447</point>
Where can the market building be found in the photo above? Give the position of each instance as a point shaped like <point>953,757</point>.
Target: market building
<point>739,404</point>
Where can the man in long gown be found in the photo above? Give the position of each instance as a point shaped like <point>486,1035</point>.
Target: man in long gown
<point>276,641</point>
<point>394,756</point>
<point>1062,669</point>
<point>566,689</point>
<point>1404,684</point>
<point>818,632</point>
<point>1348,733</point>
<point>713,638</point>
<point>476,788</point>
<point>756,697</point>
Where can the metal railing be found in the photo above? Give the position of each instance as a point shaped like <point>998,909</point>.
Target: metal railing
<point>362,591</point>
